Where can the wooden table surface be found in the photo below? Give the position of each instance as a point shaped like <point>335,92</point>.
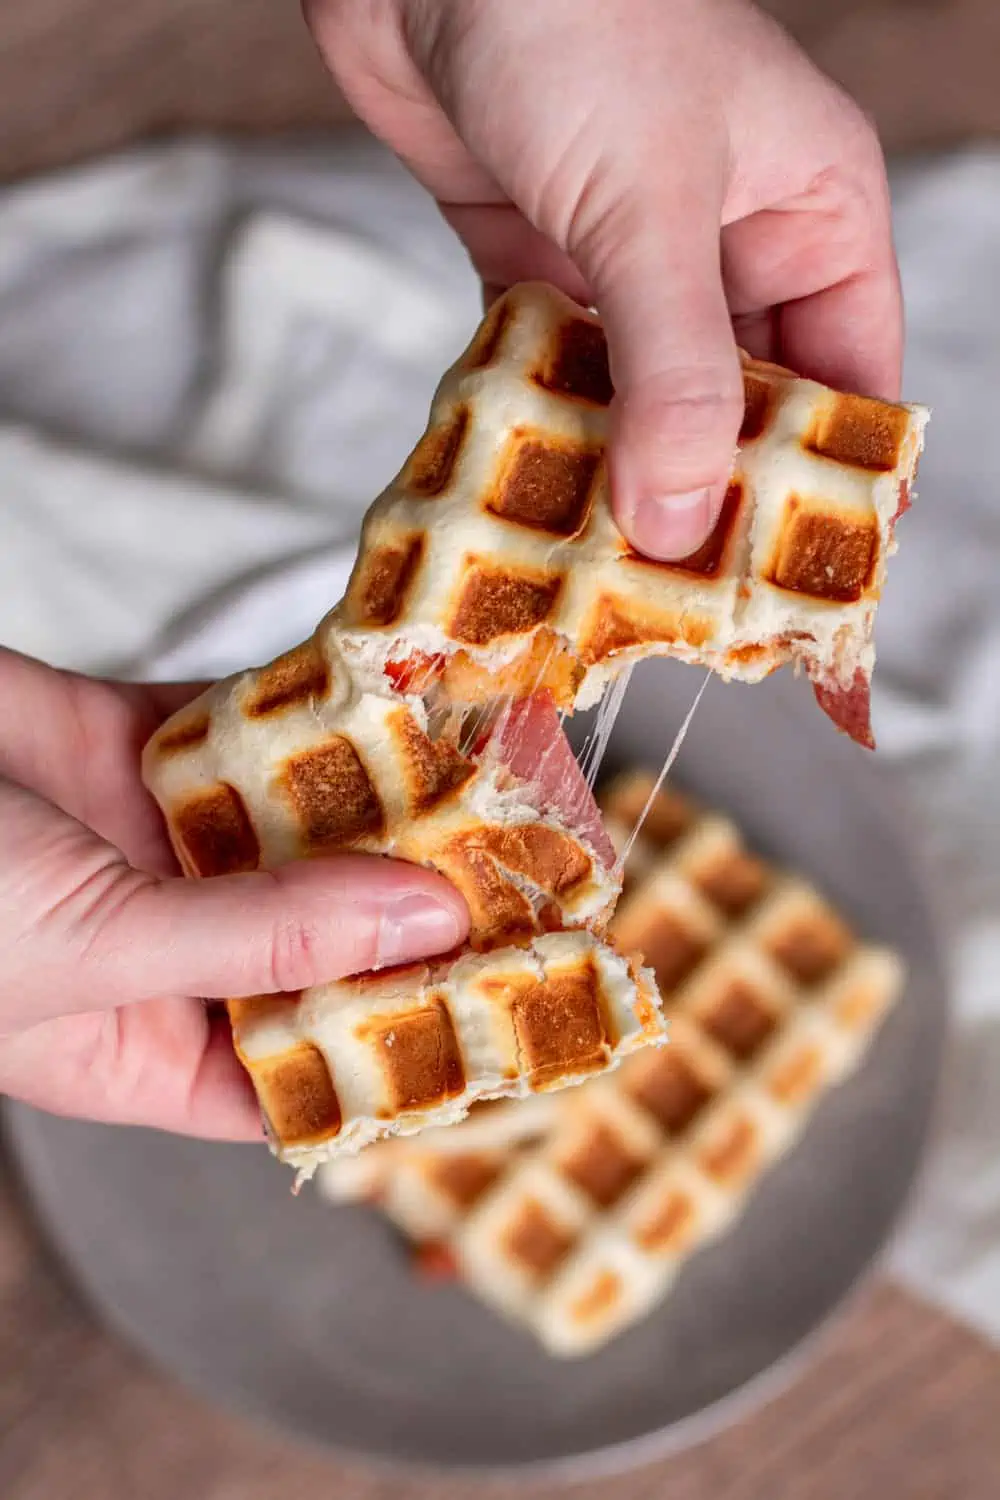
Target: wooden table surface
<point>899,1402</point>
<point>79,77</point>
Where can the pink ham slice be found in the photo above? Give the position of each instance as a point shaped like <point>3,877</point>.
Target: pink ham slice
<point>849,708</point>
<point>529,740</point>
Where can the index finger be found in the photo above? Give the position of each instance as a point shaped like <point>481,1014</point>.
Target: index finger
<point>849,336</point>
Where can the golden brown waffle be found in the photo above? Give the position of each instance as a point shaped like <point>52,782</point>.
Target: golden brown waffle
<point>493,560</point>
<point>771,1000</point>
<point>343,1064</point>
<point>492,566</point>
<point>294,761</point>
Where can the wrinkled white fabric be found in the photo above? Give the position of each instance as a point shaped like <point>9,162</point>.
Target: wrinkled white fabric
<point>240,345</point>
<point>166,308</point>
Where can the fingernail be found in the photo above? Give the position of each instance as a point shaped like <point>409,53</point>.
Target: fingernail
<point>415,927</point>
<point>672,526</point>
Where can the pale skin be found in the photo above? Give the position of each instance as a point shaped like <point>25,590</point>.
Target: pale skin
<point>677,163</point>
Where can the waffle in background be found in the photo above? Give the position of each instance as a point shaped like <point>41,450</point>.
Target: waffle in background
<point>575,1225</point>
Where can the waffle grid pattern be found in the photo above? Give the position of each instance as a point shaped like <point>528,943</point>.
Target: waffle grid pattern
<point>494,550</point>
<point>251,777</point>
<point>334,1066</point>
<point>293,761</point>
<point>770,1002</point>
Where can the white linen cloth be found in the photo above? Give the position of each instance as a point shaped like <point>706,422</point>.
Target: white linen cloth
<point>165,307</point>
<point>211,361</point>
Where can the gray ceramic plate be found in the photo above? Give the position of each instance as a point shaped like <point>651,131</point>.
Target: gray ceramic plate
<point>306,1313</point>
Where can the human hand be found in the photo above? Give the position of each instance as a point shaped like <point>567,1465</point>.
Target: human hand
<point>681,165</point>
<point>104,948</point>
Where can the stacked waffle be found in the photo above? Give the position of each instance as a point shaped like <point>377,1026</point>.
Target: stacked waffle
<point>575,1221</point>
<point>489,570</point>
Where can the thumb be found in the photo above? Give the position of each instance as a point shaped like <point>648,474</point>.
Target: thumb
<point>300,925</point>
<point>82,930</point>
<point>657,282</point>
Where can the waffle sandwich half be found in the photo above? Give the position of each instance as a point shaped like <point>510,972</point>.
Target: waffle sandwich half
<point>295,761</point>
<point>493,558</point>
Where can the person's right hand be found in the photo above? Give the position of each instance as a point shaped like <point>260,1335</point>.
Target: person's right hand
<point>679,163</point>
<point>106,954</point>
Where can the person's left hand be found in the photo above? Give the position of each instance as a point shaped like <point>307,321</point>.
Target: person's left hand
<point>76,743</point>
<point>105,951</point>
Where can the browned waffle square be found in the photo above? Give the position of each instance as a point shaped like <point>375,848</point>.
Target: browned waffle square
<point>344,1064</point>
<point>492,559</point>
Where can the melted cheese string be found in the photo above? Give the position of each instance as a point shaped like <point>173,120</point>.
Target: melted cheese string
<point>665,769</point>
<point>595,746</point>
<point>489,719</point>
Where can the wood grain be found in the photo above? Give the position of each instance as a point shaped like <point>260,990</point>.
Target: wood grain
<point>901,1403</point>
<point>79,77</point>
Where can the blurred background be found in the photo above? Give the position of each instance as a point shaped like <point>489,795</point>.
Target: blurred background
<point>72,83</point>
<point>212,290</point>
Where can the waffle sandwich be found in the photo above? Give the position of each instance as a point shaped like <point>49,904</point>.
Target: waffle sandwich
<point>492,560</point>
<point>578,1226</point>
<point>491,580</point>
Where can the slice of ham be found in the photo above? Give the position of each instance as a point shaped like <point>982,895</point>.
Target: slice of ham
<point>434,1261</point>
<point>528,739</point>
<point>904,501</point>
<point>849,708</point>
